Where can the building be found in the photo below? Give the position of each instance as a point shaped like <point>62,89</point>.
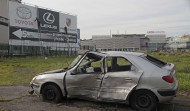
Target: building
<point>121,42</point>
<point>179,43</point>
<point>4,27</point>
<point>157,40</point>
<point>32,30</point>
<point>101,37</point>
<point>128,35</point>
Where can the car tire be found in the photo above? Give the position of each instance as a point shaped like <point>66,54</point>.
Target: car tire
<point>143,100</point>
<point>51,93</point>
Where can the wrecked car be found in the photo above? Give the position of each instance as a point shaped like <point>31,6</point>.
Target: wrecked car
<point>123,77</point>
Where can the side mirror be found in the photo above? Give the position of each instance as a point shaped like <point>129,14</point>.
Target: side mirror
<point>74,72</point>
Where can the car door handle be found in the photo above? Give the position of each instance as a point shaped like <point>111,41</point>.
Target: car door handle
<point>128,79</point>
<point>98,78</point>
<point>106,76</point>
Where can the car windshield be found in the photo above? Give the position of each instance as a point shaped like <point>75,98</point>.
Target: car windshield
<point>75,61</point>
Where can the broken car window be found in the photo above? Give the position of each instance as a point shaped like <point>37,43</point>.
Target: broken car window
<point>118,64</point>
<point>90,64</point>
<point>75,61</point>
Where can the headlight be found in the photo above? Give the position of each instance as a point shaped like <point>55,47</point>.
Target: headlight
<point>33,78</point>
<point>37,79</point>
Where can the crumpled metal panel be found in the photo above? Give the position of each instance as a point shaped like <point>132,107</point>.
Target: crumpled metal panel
<point>83,85</point>
<point>110,86</point>
<point>117,85</point>
<point>119,94</point>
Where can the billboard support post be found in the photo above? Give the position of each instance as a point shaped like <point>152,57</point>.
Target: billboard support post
<point>41,50</point>
<point>39,34</point>
<point>68,49</point>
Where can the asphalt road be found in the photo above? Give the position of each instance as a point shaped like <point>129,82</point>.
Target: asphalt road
<point>16,98</point>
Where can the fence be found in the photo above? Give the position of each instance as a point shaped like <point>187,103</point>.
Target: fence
<point>12,50</point>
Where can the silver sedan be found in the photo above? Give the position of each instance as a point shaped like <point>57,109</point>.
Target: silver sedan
<point>123,77</point>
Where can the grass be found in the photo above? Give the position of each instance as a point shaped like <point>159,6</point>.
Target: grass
<point>5,100</point>
<point>1,109</point>
<point>15,71</point>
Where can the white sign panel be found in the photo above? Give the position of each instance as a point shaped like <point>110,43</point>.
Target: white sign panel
<point>22,15</point>
<point>68,21</point>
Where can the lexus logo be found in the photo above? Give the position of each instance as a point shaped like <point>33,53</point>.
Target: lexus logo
<point>48,18</point>
<point>24,13</point>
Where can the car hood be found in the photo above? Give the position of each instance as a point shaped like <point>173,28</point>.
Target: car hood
<point>53,71</point>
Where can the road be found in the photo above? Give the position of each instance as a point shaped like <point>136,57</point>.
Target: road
<point>16,98</point>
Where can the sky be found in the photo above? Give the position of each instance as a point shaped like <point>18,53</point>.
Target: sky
<point>105,17</point>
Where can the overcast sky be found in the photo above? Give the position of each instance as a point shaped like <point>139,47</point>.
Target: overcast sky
<point>102,17</point>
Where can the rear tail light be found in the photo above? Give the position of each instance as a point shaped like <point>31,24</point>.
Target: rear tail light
<point>168,79</point>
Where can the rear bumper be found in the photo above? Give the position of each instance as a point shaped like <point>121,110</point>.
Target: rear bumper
<point>167,92</point>
<point>166,95</point>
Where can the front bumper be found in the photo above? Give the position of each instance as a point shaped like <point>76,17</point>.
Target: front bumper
<point>35,89</point>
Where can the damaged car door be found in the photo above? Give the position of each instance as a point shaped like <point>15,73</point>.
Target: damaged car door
<point>120,78</point>
<point>85,80</point>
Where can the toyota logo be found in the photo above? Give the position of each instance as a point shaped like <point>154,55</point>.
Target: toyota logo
<point>24,13</point>
<point>48,18</point>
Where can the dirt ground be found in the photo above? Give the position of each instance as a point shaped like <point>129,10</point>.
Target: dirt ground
<point>16,98</point>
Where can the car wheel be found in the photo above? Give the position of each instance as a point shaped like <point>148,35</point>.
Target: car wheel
<point>143,100</point>
<point>51,93</point>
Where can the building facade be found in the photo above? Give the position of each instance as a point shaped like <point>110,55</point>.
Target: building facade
<point>121,42</point>
<point>157,40</point>
<point>179,43</point>
<point>101,37</point>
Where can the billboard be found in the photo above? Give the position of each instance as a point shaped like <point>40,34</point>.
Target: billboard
<point>22,15</point>
<point>37,24</point>
<point>68,21</point>
<point>49,20</point>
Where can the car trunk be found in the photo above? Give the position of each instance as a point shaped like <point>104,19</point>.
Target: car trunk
<point>170,77</point>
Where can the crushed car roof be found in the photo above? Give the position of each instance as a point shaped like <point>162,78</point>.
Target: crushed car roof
<point>117,53</point>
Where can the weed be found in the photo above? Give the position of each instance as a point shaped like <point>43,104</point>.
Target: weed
<point>183,80</point>
<point>1,109</point>
<point>22,70</point>
<point>5,100</point>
